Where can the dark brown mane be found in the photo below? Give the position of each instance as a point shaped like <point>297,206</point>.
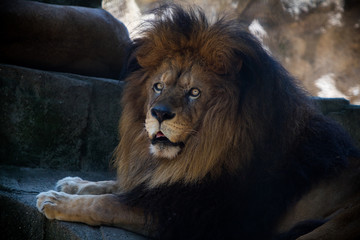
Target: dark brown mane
<point>262,102</point>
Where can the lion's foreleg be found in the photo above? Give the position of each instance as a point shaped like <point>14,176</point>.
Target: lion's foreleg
<point>94,210</point>
<point>76,185</point>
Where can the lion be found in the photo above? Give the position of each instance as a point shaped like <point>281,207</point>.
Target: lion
<point>218,141</point>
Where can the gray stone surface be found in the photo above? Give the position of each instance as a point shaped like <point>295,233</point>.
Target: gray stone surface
<point>20,219</point>
<point>80,40</point>
<point>83,3</point>
<point>57,120</point>
<point>343,112</point>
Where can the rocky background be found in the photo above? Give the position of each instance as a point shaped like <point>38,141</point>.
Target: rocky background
<point>318,41</point>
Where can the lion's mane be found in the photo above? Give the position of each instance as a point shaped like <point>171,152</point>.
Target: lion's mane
<point>257,150</point>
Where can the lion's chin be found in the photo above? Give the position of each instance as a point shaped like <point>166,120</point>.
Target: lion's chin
<point>162,150</point>
<point>162,147</point>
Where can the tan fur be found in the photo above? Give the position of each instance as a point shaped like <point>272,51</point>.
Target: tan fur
<point>91,209</point>
<point>75,185</point>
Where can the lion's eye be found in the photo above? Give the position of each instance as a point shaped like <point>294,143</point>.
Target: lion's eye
<point>194,93</point>
<point>158,87</point>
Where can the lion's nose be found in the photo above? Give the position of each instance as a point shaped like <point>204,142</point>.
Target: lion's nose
<point>162,113</point>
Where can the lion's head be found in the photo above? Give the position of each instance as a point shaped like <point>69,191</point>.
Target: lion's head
<point>200,100</point>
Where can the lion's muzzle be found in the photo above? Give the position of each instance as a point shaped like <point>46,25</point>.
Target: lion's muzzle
<point>163,132</point>
<point>162,112</point>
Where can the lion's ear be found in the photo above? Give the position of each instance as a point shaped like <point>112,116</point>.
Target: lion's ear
<point>143,61</point>
<point>147,58</point>
<point>132,62</point>
<point>146,53</point>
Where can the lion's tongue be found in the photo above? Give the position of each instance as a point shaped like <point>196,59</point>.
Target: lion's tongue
<point>159,134</point>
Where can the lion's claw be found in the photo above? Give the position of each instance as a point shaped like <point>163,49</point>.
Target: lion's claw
<point>69,185</point>
<point>49,202</point>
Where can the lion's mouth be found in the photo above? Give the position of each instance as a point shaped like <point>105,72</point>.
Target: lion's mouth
<point>161,138</point>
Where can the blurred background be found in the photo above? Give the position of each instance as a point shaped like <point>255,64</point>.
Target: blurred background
<point>318,41</point>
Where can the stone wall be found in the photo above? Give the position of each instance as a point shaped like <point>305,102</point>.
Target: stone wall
<point>82,40</point>
<point>52,119</point>
<point>57,120</point>
<point>84,3</point>
<point>343,112</point>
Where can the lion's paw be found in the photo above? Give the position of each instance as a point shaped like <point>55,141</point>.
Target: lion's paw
<point>51,203</point>
<point>70,185</point>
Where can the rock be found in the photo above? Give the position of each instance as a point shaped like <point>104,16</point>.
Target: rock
<point>56,120</point>
<point>20,219</point>
<point>344,113</point>
<point>83,3</point>
<point>317,41</point>
<point>331,105</point>
<point>320,46</point>
<point>72,39</point>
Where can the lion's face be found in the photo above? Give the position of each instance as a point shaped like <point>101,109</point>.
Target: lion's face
<point>177,99</point>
